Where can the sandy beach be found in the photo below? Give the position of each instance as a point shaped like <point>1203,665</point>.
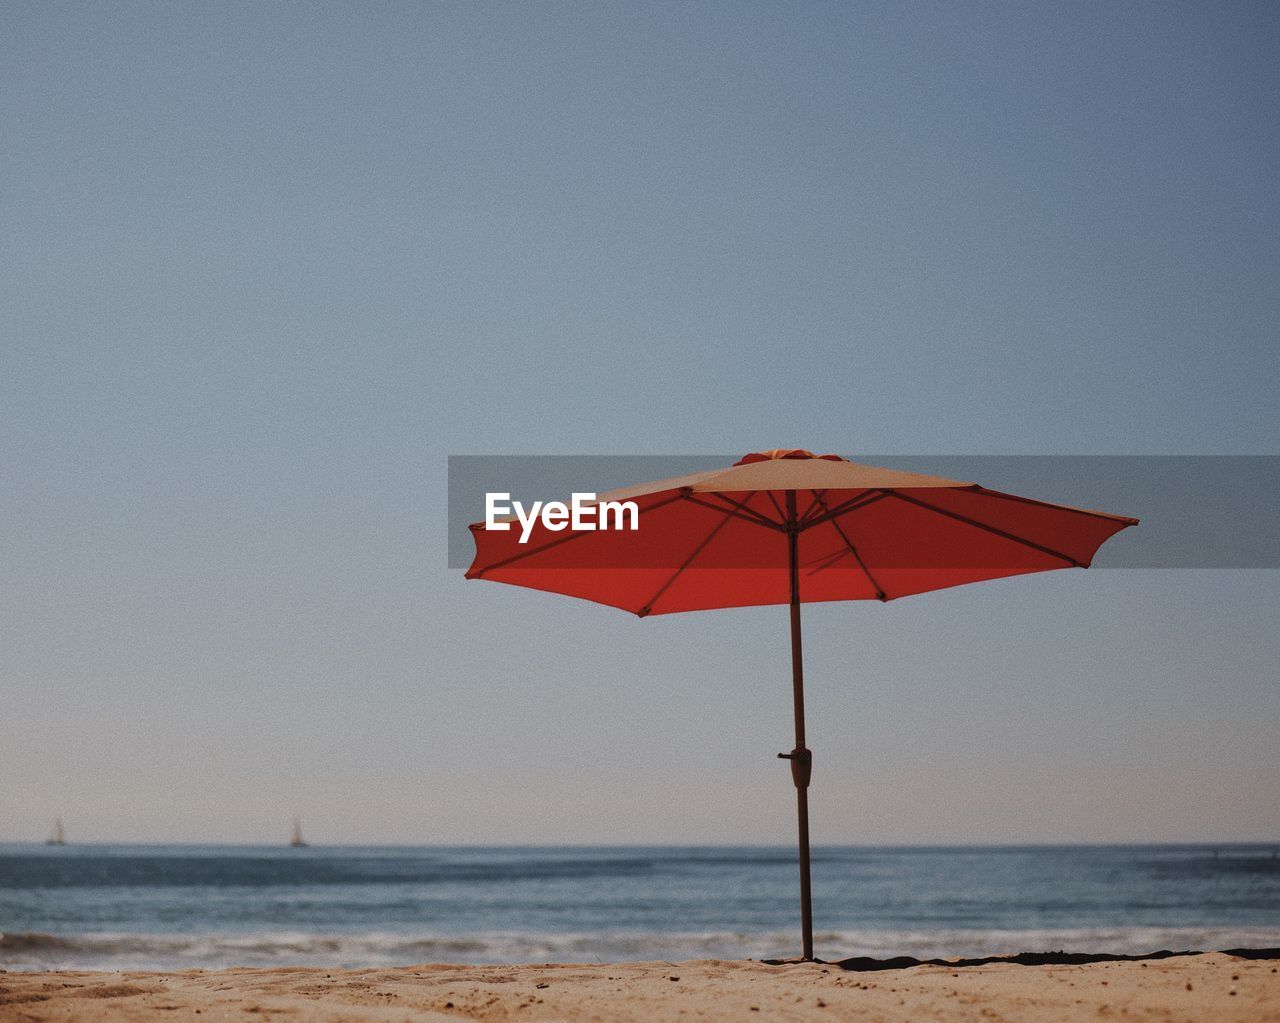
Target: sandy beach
<point>1210,986</point>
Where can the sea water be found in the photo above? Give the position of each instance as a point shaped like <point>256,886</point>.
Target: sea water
<point>175,907</point>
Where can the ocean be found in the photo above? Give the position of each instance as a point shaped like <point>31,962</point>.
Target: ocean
<point>181,907</point>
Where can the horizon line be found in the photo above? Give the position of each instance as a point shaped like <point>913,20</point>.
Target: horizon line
<point>1128,843</point>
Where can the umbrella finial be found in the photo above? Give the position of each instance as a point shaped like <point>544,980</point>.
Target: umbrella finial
<point>772,453</point>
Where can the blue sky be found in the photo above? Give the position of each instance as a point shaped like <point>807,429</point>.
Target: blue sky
<point>267,266</point>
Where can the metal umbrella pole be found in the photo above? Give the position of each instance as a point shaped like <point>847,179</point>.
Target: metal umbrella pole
<point>801,758</point>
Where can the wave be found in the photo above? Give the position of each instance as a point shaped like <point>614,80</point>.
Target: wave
<point>115,951</point>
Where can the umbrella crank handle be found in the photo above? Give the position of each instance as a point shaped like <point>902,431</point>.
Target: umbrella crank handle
<point>801,765</point>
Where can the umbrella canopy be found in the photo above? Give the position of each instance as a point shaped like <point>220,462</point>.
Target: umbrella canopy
<point>787,527</point>
<point>719,539</point>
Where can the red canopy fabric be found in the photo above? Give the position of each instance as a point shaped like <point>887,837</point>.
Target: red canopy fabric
<point>721,538</point>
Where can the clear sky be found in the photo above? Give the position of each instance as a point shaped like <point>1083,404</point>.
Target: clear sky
<point>265,266</point>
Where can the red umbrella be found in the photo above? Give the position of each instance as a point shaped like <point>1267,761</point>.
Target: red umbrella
<point>788,527</point>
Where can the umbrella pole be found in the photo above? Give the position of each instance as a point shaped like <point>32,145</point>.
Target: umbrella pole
<point>801,758</point>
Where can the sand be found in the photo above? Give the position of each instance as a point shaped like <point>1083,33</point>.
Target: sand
<point>1208,988</point>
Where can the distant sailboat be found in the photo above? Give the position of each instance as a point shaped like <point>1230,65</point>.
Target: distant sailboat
<point>58,837</point>
<point>296,841</point>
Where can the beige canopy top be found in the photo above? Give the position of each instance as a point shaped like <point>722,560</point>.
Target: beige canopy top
<point>788,470</point>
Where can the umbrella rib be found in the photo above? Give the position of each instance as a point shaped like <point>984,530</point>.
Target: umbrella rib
<point>782,516</point>
<point>751,515</point>
<point>817,500</point>
<point>648,608</point>
<point>853,504</point>
<point>977,489</point>
<point>760,517</point>
<point>880,594</point>
<point>989,528</point>
<point>558,541</point>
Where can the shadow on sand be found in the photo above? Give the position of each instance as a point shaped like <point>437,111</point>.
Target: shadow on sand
<point>865,964</point>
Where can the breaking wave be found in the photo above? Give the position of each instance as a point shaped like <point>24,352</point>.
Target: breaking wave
<point>114,951</point>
